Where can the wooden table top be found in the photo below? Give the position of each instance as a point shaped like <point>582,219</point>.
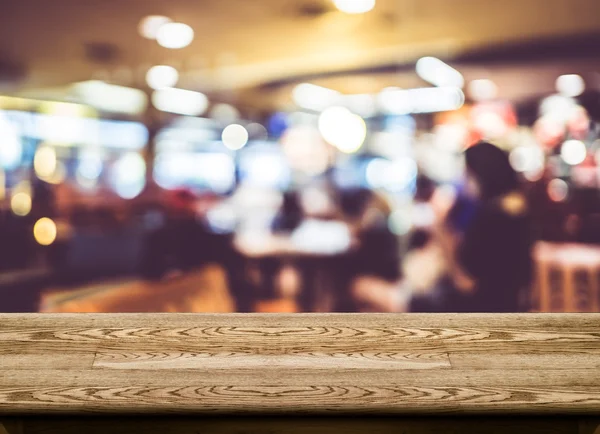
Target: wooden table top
<point>409,364</point>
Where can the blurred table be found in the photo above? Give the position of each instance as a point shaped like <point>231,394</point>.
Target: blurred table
<point>568,277</point>
<point>316,248</point>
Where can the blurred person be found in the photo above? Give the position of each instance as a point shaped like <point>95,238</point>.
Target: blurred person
<point>290,214</point>
<point>486,244</point>
<point>377,257</point>
<point>174,245</point>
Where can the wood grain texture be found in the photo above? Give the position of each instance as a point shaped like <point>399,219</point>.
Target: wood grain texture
<point>304,363</point>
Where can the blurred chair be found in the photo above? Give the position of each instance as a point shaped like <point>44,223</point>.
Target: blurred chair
<point>567,278</point>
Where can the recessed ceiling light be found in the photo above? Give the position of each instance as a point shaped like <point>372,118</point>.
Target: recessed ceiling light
<point>150,25</point>
<point>175,35</point>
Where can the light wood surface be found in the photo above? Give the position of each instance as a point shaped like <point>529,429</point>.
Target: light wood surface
<point>408,364</point>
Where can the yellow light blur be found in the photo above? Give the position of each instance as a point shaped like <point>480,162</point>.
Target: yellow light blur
<point>150,25</point>
<point>44,162</point>
<point>59,175</point>
<point>354,6</point>
<point>235,137</point>
<point>45,231</point>
<point>343,129</point>
<point>175,35</point>
<point>162,76</point>
<point>20,204</point>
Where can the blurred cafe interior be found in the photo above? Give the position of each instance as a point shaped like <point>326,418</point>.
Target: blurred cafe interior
<point>299,156</point>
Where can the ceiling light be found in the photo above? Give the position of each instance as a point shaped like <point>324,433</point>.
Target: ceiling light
<point>354,6</point>
<point>150,25</point>
<point>439,73</point>
<point>313,97</point>
<point>175,35</point>
<point>161,76</point>
<point>179,101</point>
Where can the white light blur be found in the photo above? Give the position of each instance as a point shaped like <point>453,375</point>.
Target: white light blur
<point>161,76</point>
<point>175,35</point>
<point>89,167</point>
<point>305,150</point>
<point>150,25</point>
<point>354,6</point>
<point>20,204</point>
<point>365,105</point>
<point>423,100</point>
<point>128,175</point>
<point>222,219</point>
<point>258,131</point>
<point>179,101</point>
<point>313,97</point>
<point>266,170</point>
<point>394,176</point>
<point>322,237</point>
<point>11,149</point>
<point>570,85</point>
<point>482,90</point>
<point>45,231</point>
<point>110,97</point>
<point>343,129</point>
<point>224,113</point>
<point>438,73</point>
<point>400,222</point>
<point>527,159</point>
<point>558,190</point>
<point>573,152</point>
<point>235,137</point>
<point>45,162</point>
<point>175,169</point>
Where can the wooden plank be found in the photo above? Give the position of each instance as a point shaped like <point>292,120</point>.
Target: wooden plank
<point>300,360</point>
<point>589,359</point>
<point>287,400</point>
<point>317,376</point>
<point>45,360</point>
<point>305,425</point>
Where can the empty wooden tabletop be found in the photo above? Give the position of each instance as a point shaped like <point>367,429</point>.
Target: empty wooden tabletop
<point>300,363</point>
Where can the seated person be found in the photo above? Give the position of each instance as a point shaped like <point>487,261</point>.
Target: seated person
<point>485,241</point>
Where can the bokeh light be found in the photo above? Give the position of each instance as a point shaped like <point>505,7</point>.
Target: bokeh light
<point>128,175</point>
<point>175,35</point>
<point>482,90</point>
<point>11,150</point>
<point>355,6</point>
<point>558,190</point>
<point>161,76</point>
<point>179,101</point>
<point>343,129</point>
<point>235,137</point>
<point>45,162</point>
<point>570,85</point>
<point>45,231</point>
<point>150,25</point>
<point>438,73</point>
<point>20,204</point>
<point>573,152</point>
<point>527,159</point>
